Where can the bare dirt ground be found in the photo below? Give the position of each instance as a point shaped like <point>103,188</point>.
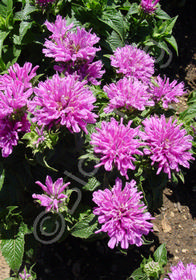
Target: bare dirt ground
<point>175,223</point>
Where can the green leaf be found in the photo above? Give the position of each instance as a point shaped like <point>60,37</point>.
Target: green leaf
<point>159,13</point>
<point>171,25</point>
<point>92,184</point>
<point>85,228</point>
<point>24,14</point>
<point>6,7</point>
<point>115,21</point>
<point>160,255</point>
<point>13,248</point>
<point>172,41</point>
<point>2,175</point>
<point>138,274</point>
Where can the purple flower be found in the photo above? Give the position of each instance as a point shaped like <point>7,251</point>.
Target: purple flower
<point>133,62</point>
<point>9,133</point>
<point>24,276</point>
<point>149,6</point>
<point>54,193</point>
<point>167,92</point>
<point>122,214</point>
<point>23,75</point>
<point>69,46</point>
<point>181,272</point>
<point>90,71</point>
<point>116,144</point>
<point>128,93</point>
<point>13,98</point>
<point>167,144</point>
<point>65,101</point>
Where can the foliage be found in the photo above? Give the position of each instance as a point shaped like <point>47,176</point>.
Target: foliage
<point>64,151</point>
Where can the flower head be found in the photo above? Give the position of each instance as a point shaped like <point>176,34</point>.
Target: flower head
<point>63,100</point>
<point>9,133</point>
<point>149,6</point>
<point>53,193</point>
<point>122,214</point>
<point>23,75</point>
<point>66,46</point>
<point>128,93</point>
<point>116,144</point>
<point>167,144</point>
<point>133,62</point>
<point>90,71</point>
<point>167,92</point>
<point>182,272</point>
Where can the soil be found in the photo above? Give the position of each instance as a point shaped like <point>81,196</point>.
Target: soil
<point>175,223</point>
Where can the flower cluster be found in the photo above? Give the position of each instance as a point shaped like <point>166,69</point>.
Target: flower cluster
<point>53,193</point>
<point>117,145</point>
<point>122,214</point>
<point>167,144</point>
<point>149,6</point>
<point>133,62</point>
<point>167,92</point>
<point>182,272</point>
<point>15,91</point>
<point>128,93</point>
<point>74,51</point>
<point>65,101</point>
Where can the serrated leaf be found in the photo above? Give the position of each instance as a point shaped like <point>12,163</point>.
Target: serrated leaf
<point>85,227</point>
<point>92,184</point>
<point>12,248</point>
<point>172,41</point>
<point>171,25</point>
<point>159,13</point>
<point>138,274</point>
<point>160,255</point>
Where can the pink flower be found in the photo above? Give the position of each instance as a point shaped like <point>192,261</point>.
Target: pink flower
<point>90,71</point>
<point>149,6</point>
<point>128,93</point>
<point>167,144</point>
<point>116,144</point>
<point>24,276</point>
<point>181,272</point>
<point>54,193</point>
<point>66,101</point>
<point>23,75</point>
<point>13,99</point>
<point>167,92</point>
<point>122,214</point>
<point>66,46</point>
<point>133,62</point>
<point>9,133</point>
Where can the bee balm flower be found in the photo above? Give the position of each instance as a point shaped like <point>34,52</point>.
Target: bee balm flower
<point>149,6</point>
<point>167,144</point>
<point>181,272</point>
<point>117,144</point>
<point>122,214</point>
<point>54,193</point>
<point>133,62</point>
